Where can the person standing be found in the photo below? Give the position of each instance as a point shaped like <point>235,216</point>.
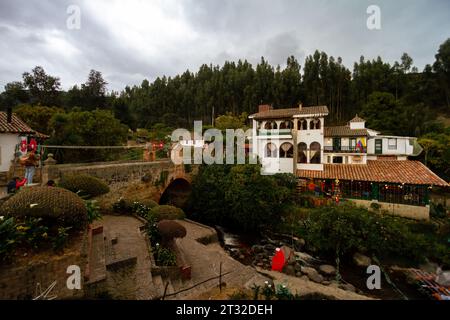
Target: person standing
<point>30,164</point>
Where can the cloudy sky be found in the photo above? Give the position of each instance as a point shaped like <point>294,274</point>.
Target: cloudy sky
<point>131,40</point>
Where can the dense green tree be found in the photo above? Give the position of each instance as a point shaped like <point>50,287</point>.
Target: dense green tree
<point>86,128</point>
<point>239,196</point>
<point>14,94</point>
<point>42,88</point>
<point>37,117</point>
<point>442,67</point>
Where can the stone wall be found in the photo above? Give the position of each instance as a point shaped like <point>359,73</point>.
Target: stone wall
<point>120,174</point>
<point>402,210</point>
<point>20,279</point>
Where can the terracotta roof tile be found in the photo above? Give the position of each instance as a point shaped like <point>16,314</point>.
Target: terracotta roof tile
<point>344,131</point>
<point>357,119</point>
<point>406,171</point>
<point>290,112</point>
<point>16,125</point>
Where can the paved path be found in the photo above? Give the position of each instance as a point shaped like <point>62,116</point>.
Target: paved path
<point>205,262</point>
<point>130,243</point>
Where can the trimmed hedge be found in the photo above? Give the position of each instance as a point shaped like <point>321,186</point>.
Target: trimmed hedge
<point>84,185</point>
<point>54,205</point>
<point>166,212</point>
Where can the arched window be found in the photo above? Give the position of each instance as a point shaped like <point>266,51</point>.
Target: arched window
<point>318,124</point>
<point>286,150</point>
<point>271,150</point>
<point>301,157</point>
<point>274,125</point>
<point>268,126</point>
<point>303,125</point>
<point>315,152</point>
<point>283,125</point>
<point>312,125</point>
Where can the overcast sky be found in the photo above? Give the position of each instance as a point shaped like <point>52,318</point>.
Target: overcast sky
<point>131,40</point>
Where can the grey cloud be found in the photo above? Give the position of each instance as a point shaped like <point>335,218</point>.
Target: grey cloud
<point>32,33</point>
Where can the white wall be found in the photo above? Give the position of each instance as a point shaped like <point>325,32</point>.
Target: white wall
<point>403,146</point>
<point>8,142</point>
<point>357,125</point>
<point>275,164</point>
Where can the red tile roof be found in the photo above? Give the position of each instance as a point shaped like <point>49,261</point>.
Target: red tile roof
<point>16,125</point>
<point>406,171</point>
<point>344,131</point>
<point>290,112</point>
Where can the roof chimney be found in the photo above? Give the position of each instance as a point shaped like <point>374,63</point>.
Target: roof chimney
<point>9,115</point>
<point>264,108</point>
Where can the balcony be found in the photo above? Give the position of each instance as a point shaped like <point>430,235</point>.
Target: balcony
<point>345,149</point>
<point>274,132</point>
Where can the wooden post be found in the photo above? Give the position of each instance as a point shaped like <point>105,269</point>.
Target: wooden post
<point>220,277</point>
<point>165,290</point>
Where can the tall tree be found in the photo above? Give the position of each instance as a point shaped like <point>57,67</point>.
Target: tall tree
<point>43,88</point>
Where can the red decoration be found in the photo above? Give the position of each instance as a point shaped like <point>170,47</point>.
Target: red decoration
<point>23,145</point>
<point>278,260</point>
<point>33,144</point>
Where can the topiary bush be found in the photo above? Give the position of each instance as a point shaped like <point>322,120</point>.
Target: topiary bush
<point>56,206</point>
<point>169,230</point>
<point>84,185</point>
<point>129,206</point>
<point>166,212</point>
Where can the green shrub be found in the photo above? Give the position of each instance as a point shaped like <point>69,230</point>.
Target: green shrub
<point>129,206</point>
<point>56,206</point>
<point>9,237</point>
<point>60,240</point>
<point>93,211</point>
<point>85,185</point>
<point>166,212</point>
<point>164,256</point>
<point>169,230</point>
<point>347,229</point>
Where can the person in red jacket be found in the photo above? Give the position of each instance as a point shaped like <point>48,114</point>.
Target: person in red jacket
<point>15,184</point>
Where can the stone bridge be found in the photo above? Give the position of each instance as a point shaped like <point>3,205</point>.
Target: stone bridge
<point>167,179</point>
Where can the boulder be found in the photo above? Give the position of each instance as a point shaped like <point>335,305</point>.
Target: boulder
<point>307,270</point>
<point>304,277</point>
<point>316,277</point>
<point>312,274</point>
<point>299,243</point>
<point>361,260</point>
<point>327,270</point>
<point>348,287</point>
<point>304,257</point>
<point>289,270</point>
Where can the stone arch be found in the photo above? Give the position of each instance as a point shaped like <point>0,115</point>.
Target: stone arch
<point>302,124</point>
<point>270,125</point>
<point>302,149</point>
<point>287,150</point>
<point>287,124</point>
<point>315,154</point>
<point>270,150</point>
<point>176,193</point>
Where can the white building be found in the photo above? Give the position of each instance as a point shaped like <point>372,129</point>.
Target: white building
<point>349,161</point>
<point>12,132</point>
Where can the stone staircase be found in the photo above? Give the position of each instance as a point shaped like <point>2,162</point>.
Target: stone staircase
<point>117,264</point>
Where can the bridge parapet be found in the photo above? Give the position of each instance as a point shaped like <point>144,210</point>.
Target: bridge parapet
<point>159,173</point>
